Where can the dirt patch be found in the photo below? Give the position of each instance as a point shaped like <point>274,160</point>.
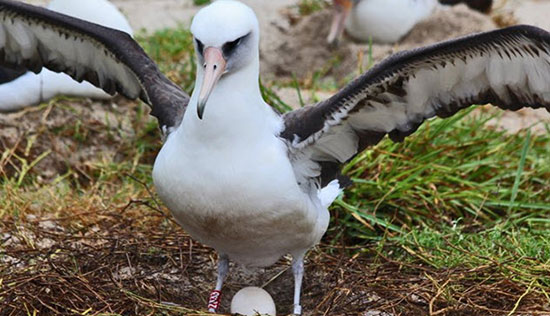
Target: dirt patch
<point>447,23</point>
<point>42,143</point>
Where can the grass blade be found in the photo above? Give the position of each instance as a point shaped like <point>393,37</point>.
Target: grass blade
<point>521,167</point>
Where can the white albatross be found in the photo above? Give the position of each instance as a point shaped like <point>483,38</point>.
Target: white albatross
<point>20,88</point>
<point>385,21</point>
<point>237,176</point>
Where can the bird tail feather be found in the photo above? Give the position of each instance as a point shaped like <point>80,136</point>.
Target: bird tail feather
<point>329,193</point>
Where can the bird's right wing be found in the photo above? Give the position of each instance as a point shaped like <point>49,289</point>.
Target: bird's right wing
<point>509,68</point>
<point>33,37</point>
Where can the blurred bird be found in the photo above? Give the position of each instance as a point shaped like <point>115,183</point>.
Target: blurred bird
<point>19,88</point>
<point>385,21</point>
<point>243,179</point>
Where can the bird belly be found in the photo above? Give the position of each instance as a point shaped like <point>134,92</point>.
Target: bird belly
<point>246,206</point>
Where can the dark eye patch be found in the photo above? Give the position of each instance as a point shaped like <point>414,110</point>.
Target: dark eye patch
<point>229,47</point>
<point>200,46</point>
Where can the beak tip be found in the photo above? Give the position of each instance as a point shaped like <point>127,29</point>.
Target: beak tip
<point>201,105</point>
<point>200,110</point>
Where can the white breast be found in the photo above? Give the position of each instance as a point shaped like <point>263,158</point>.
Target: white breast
<point>239,196</point>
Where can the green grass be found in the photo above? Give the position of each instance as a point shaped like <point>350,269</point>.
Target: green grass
<point>307,7</point>
<point>443,246</point>
<point>454,169</point>
<point>453,177</point>
<point>172,49</point>
<point>201,2</point>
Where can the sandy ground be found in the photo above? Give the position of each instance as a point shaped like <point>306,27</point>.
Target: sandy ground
<point>532,12</point>
<point>152,15</point>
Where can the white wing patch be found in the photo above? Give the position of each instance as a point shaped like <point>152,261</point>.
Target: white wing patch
<point>339,143</point>
<point>380,117</point>
<point>23,38</point>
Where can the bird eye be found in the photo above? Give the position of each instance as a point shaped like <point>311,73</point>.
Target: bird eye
<point>229,47</point>
<point>200,46</point>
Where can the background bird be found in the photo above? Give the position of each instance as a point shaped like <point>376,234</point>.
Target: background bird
<point>385,21</point>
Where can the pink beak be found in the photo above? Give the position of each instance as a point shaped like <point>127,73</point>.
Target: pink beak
<point>214,68</point>
<point>342,9</point>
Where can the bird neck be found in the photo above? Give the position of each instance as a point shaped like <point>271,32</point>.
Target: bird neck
<point>235,111</point>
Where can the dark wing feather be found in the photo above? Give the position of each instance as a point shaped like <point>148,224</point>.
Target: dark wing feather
<point>8,74</point>
<point>33,37</point>
<point>509,68</point>
<point>479,5</point>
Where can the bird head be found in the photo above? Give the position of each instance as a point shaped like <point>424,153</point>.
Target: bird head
<point>226,36</point>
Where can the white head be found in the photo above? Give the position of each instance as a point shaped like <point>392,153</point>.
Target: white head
<point>226,35</point>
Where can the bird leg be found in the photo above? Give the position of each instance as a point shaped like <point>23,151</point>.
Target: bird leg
<point>298,270</point>
<point>215,296</point>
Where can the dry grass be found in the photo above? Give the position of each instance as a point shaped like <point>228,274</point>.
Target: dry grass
<point>133,260</point>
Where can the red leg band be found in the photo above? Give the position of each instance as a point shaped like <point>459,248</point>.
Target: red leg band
<point>214,300</point>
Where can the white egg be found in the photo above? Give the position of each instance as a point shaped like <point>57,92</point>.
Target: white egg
<point>251,301</point>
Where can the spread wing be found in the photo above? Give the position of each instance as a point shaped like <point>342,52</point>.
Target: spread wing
<point>509,68</point>
<point>33,37</point>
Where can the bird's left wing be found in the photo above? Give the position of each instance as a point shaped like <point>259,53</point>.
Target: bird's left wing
<point>509,68</point>
<point>33,37</point>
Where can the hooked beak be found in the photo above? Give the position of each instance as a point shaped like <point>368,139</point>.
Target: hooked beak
<point>342,9</point>
<point>214,68</point>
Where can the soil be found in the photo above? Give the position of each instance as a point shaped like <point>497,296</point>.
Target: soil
<point>71,134</point>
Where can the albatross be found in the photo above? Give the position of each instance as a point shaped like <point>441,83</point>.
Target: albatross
<point>237,176</point>
<point>386,21</point>
<point>20,88</point>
